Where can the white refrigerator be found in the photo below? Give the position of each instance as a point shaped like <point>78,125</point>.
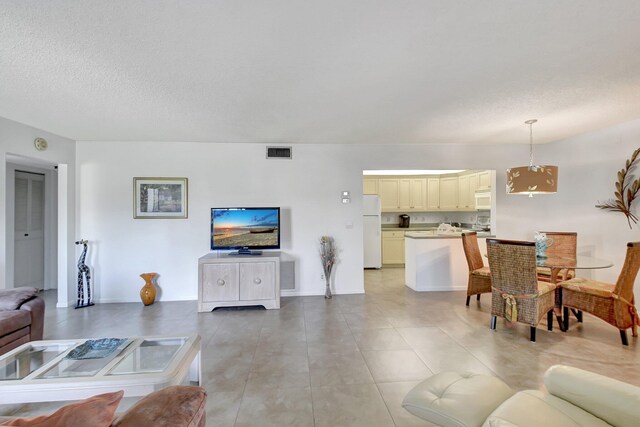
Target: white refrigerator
<point>372,224</point>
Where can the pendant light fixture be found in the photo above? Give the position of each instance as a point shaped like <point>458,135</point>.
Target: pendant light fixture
<point>532,179</point>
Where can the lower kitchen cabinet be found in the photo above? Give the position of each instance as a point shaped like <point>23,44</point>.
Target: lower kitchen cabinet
<point>393,247</point>
<point>226,280</point>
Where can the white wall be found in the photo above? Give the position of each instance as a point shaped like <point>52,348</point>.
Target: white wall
<point>16,145</point>
<point>308,189</point>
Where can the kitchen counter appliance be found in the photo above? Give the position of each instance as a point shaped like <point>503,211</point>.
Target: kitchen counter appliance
<point>483,200</point>
<point>404,221</point>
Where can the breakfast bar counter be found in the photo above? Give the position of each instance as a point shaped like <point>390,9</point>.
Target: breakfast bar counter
<point>436,262</point>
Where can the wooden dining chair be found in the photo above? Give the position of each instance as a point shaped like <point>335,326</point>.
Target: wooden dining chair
<point>479,275</point>
<point>516,292</point>
<point>613,303</point>
<point>565,245</point>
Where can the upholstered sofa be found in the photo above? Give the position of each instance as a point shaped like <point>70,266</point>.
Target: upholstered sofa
<point>21,317</point>
<point>573,397</point>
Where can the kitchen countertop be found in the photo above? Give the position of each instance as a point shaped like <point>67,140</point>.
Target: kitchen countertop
<point>412,228</point>
<point>432,235</point>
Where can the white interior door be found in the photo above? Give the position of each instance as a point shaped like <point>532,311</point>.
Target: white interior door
<point>29,230</point>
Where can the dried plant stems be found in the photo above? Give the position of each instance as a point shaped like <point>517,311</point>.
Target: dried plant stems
<point>328,259</point>
<point>626,191</point>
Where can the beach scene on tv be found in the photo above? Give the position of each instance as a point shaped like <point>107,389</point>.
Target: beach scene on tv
<point>244,227</point>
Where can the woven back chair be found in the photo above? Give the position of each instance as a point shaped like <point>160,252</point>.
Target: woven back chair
<point>515,282</point>
<point>613,303</point>
<point>565,245</point>
<point>479,275</point>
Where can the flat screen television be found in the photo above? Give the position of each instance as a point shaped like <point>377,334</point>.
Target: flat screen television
<point>244,229</point>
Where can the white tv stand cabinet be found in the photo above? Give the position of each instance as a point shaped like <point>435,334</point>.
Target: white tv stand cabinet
<point>226,280</point>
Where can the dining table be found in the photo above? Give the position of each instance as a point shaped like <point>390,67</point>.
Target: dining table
<point>557,264</point>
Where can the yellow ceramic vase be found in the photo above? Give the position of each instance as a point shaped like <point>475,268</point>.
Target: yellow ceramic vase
<point>148,291</point>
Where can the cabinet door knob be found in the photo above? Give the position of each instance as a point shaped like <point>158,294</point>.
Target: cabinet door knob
<point>220,282</point>
<point>257,281</point>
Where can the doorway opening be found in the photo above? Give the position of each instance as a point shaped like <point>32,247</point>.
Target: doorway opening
<point>35,247</point>
<point>29,216</point>
<point>427,204</point>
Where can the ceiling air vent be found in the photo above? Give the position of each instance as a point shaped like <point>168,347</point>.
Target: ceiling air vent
<point>278,152</point>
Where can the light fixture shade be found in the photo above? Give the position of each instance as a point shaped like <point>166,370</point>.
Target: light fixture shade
<point>530,180</point>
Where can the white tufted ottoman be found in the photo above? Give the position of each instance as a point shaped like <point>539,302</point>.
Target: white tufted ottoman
<point>457,399</point>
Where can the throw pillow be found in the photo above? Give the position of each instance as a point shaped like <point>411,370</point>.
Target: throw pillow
<point>12,299</point>
<point>170,407</point>
<point>96,411</point>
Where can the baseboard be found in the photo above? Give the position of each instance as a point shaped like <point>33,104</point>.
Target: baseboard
<point>126,300</point>
<point>299,293</point>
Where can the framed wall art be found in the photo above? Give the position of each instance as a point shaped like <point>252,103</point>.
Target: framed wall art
<point>159,197</point>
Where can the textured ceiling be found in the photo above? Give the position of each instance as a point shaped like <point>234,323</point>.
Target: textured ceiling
<point>321,71</point>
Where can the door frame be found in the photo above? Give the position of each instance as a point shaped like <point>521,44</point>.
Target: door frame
<point>50,222</point>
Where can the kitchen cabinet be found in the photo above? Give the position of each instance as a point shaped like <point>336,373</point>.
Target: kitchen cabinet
<point>389,194</point>
<point>412,194</point>
<point>418,194</point>
<point>370,186</point>
<point>484,179</point>
<point>449,193</point>
<point>402,194</point>
<point>463,191</point>
<point>393,247</point>
<point>467,186</point>
<point>433,193</point>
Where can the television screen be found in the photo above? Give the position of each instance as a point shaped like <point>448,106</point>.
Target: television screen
<point>245,228</point>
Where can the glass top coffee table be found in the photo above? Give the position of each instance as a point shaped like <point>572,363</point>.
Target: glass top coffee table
<point>41,371</point>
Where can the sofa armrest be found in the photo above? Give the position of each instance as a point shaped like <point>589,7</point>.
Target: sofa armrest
<point>614,401</point>
<point>36,307</point>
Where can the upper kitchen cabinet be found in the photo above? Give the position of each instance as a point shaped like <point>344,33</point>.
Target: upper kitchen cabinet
<point>463,191</point>
<point>467,186</point>
<point>413,194</point>
<point>389,192</point>
<point>428,193</point>
<point>449,193</point>
<point>370,186</point>
<point>484,179</point>
<point>433,193</point>
<point>402,194</point>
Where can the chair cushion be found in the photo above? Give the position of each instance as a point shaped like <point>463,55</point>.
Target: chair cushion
<point>588,286</point>
<point>11,321</point>
<point>453,399</point>
<point>96,411</point>
<point>544,287</point>
<point>12,299</point>
<point>483,271</point>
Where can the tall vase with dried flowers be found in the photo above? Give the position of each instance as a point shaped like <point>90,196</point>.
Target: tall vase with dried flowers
<point>626,191</point>
<point>328,258</point>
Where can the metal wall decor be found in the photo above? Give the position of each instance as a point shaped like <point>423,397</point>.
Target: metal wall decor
<point>626,191</point>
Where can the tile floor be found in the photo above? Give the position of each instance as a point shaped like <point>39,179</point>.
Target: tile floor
<point>350,360</point>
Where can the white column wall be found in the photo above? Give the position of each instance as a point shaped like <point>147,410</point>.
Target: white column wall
<point>16,139</point>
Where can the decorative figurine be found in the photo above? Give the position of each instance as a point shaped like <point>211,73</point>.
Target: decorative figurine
<point>83,270</point>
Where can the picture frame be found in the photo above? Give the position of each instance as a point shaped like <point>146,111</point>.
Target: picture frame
<point>160,198</point>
